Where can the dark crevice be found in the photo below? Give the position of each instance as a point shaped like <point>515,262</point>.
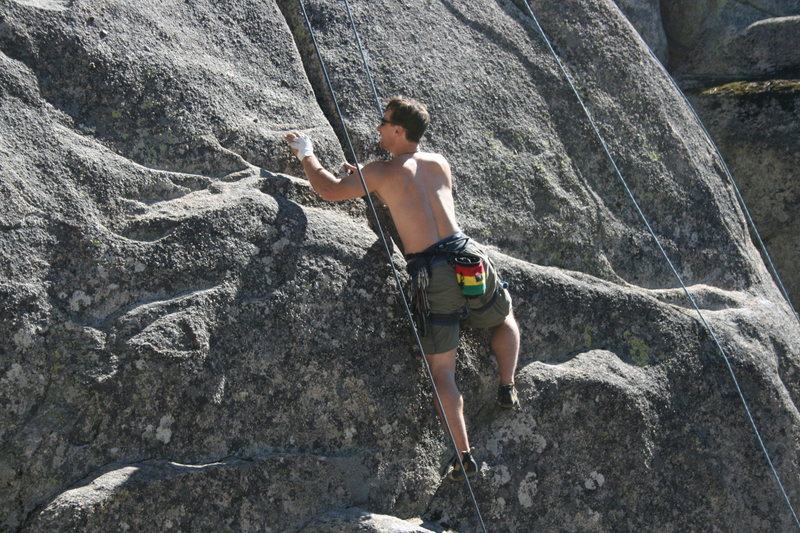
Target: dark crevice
<point>325,100</point>
<point>758,8</point>
<point>311,64</point>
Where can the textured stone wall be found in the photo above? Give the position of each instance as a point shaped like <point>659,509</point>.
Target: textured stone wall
<point>193,341</point>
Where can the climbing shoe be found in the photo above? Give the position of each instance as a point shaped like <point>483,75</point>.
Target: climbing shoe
<point>470,467</point>
<point>507,397</point>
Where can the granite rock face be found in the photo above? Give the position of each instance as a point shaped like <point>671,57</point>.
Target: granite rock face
<point>645,15</point>
<point>754,124</point>
<point>194,341</point>
<point>739,65</point>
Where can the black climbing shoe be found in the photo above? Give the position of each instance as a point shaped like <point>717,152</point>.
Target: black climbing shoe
<point>470,466</point>
<point>507,397</point>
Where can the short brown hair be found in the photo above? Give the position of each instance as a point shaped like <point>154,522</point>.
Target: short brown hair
<point>410,114</point>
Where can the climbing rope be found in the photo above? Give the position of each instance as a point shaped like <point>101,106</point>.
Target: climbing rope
<point>666,257</point>
<point>385,243</point>
<point>364,59</point>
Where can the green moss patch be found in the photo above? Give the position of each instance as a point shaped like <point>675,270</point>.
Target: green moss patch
<point>745,88</point>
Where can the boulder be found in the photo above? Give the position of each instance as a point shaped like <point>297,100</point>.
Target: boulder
<point>726,40</point>
<point>227,495</point>
<point>195,341</point>
<point>752,124</point>
<point>737,62</point>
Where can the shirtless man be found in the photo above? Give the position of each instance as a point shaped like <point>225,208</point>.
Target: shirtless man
<point>417,187</point>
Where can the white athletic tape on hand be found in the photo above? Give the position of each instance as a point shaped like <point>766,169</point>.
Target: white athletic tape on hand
<point>304,147</point>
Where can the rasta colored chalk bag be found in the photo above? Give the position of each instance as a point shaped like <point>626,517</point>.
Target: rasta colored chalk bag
<point>470,274</point>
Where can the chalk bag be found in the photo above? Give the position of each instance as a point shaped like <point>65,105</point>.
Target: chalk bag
<point>470,274</point>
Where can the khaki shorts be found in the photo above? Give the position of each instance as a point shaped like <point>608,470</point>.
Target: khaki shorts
<point>445,298</point>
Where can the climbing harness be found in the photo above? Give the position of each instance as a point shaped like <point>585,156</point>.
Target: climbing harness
<point>672,267</point>
<point>469,271</point>
<point>382,236</point>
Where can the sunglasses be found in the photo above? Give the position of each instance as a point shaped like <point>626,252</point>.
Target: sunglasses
<point>385,122</point>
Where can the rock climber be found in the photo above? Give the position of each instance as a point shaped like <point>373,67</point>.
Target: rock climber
<point>454,282</point>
